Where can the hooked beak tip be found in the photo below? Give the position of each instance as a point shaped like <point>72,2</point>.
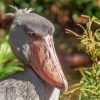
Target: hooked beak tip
<point>65,85</point>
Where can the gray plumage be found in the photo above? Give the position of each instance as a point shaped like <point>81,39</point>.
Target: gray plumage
<point>27,85</point>
<point>21,26</point>
<point>33,22</point>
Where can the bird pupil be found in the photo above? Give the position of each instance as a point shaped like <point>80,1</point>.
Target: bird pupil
<point>32,34</point>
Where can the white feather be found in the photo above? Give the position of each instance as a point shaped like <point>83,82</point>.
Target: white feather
<point>26,10</point>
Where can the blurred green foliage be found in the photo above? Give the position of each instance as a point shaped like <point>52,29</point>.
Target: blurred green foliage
<point>90,89</point>
<point>8,63</point>
<point>90,43</point>
<point>91,40</point>
<point>53,7</point>
<point>86,7</point>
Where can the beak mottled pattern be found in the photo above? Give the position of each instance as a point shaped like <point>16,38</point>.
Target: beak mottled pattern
<point>45,62</point>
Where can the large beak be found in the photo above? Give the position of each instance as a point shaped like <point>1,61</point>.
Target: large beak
<point>45,62</point>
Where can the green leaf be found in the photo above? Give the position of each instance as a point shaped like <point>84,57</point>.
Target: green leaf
<point>8,63</point>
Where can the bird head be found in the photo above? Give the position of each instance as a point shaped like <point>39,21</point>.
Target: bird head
<point>31,39</point>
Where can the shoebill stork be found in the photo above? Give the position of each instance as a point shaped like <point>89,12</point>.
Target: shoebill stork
<point>31,40</point>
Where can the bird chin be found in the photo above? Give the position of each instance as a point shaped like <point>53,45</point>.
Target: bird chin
<point>45,62</point>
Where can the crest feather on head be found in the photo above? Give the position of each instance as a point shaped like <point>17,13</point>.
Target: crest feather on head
<point>26,10</point>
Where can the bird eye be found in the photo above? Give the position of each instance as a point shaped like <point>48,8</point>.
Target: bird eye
<point>31,34</point>
<point>29,31</point>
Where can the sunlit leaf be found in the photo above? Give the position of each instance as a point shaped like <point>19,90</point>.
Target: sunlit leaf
<point>8,63</point>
